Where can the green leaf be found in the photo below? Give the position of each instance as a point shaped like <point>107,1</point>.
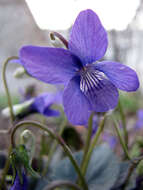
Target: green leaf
<point>105,170</point>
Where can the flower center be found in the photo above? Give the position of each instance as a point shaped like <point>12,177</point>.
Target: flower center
<point>91,80</point>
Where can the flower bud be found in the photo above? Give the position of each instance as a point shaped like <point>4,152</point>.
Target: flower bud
<point>18,109</point>
<point>28,139</point>
<point>19,72</point>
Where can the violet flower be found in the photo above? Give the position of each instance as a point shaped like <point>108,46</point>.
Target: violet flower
<point>17,185</point>
<point>139,123</point>
<point>109,139</point>
<point>90,85</point>
<point>41,104</point>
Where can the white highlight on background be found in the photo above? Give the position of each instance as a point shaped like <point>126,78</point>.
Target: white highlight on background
<point>60,14</point>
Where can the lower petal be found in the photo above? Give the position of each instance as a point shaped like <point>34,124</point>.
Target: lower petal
<point>122,76</point>
<point>76,105</point>
<point>104,96</point>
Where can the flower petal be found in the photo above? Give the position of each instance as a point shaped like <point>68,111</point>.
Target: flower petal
<point>17,184</point>
<point>106,97</point>
<point>76,105</point>
<point>88,38</point>
<point>42,104</point>
<point>139,123</point>
<point>51,65</point>
<point>51,112</point>
<point>101,93</point>
<point>120,75</point>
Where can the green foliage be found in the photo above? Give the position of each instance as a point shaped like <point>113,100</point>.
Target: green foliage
<point>105,171</point>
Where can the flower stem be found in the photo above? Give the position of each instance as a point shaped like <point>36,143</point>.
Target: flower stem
<point>56,184</point>
<point>95,140</point>
<point>7,164</point>
<point>58,139</point>
<point>121,139</point>
<point>54,146</point>
<point>123,118</point>
<point>88,140</point>
<point>6,86</point>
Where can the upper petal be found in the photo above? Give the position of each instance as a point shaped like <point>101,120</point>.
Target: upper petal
<point>76,105</point>
<point>51,65</point>
<point>122,76</point>
<point>88,38</point>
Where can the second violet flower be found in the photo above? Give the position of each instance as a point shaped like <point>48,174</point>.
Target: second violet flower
<point>89,85</point>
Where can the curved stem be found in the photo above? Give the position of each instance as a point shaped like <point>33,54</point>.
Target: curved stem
<point>58,139</point>
<point>54,146</point>
<point>61,38</point>
<point>123,118</point>
<point>95,140</point>
<point>56,184</point>
<point>6,86</point>
<point>7,164</point>
<point>88,140</point>
<point>121,139</point>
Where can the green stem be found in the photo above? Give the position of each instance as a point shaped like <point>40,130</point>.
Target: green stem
<point>121,139</point>
<point>6,86</point>
<point>92,146</point>
<point>54,147</point>
<point>7,164</point>
<point>56,184</point>
<point>123,118</point>
<point>88,140</point>
<point>58,139</point>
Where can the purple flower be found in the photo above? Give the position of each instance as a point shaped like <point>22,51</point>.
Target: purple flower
<point>111,140</point>
<point>42,104</point>
<point>18,185</point>
<point>89,85</point>
<point>139,123</point>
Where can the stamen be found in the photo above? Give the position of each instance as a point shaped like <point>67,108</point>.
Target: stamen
<point>60,37</point>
